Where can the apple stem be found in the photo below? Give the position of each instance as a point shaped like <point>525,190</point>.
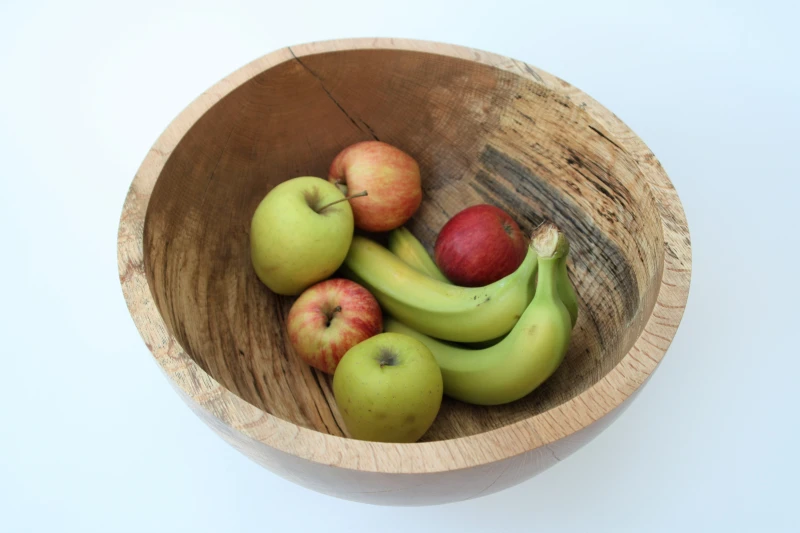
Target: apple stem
<point>336,309</point>
<point>387,358</point>
<point>356,195</point>
<point>342,186</point>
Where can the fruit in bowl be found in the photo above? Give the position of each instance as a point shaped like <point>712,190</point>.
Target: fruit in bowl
<point>480,245</point>
<point>329,318</point>
<point>300,234</point>
<point>389,174</point>
<point>388,389</point>
<point>516,302</point>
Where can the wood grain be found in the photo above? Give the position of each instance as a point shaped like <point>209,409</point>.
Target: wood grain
<point>484,129</point>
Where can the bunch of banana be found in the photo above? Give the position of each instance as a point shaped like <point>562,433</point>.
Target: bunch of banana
<point>407,247</point>
<point>433,307</point>
<point>531,351</point>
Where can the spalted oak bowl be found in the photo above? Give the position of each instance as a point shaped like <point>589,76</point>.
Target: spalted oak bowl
<point>484,129</point>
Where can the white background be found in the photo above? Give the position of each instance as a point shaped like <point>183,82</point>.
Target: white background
<point>92,438</point>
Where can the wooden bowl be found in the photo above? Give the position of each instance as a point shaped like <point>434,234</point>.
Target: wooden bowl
<point>483,128</point>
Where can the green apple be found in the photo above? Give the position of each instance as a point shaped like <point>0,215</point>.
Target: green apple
<point>300,234</point>
<point>388,388</point>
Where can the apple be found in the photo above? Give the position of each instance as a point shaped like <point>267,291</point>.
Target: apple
<point>388,389</point>
<point>390,175</point>
<point>300,234</point>
<point>479,245</point>
<point>329,318</point>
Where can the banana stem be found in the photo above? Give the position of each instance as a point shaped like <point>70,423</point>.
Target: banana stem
<point>547,284</point>
<point>549,242</point>
<point>566,291</point>
<point>552,247</point>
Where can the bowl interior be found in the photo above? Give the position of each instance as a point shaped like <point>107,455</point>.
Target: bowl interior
<point>480,135</point>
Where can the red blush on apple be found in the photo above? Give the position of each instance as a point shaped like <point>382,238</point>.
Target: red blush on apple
<point>329,318</point>
<point>390,177</point>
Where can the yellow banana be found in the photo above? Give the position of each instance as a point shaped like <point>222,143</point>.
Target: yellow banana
<point>407,247</point>
<point>526,357</point>
<point>565,289</point>
<point>461,314</point>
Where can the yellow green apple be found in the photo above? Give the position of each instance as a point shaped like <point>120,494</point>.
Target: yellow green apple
<point>300,234</point>
<point>388,388</point>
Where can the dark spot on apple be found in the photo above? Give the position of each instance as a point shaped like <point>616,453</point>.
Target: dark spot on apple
<point>346,411</point>
<point>508,228</point>
<point>410,419</point>
<point>380,416</point>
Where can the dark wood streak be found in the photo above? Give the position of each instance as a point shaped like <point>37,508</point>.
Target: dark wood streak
<point>538,196</point>
<point>288,369</point>
<point>600,178</point>
<point>340,432</point>
<point>606,137</point>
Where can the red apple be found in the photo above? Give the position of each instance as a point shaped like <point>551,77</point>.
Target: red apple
<point>329,318</point>
<point>480,245</point>
<point>390,177</point>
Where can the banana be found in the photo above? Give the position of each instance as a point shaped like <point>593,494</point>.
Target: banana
<point>443,310</point>
<point>526,357</point>
<point>565,289</point>
<point>407,247</point>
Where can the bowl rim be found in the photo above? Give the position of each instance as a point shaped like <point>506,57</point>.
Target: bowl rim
<point>232,416</point>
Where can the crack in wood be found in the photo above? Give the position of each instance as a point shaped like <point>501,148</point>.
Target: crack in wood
<point>330,407</point>
<point>334,100</point>
<point>604,136</point>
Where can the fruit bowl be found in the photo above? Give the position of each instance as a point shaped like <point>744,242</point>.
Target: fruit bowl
<point>484,129</point>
